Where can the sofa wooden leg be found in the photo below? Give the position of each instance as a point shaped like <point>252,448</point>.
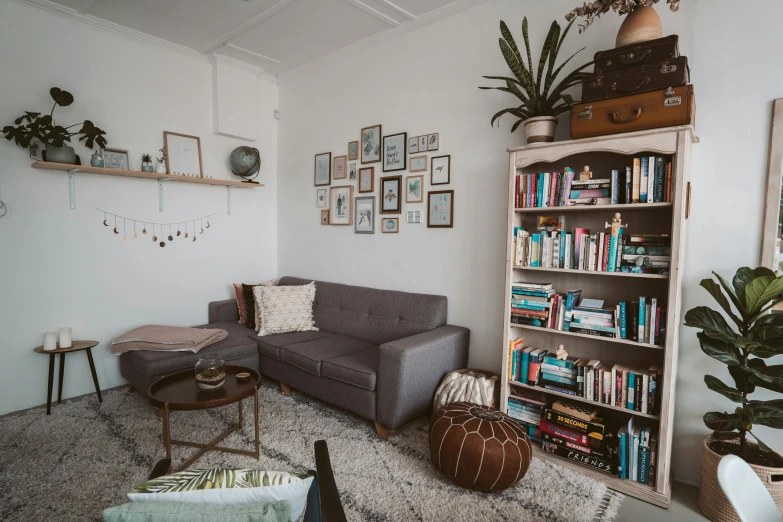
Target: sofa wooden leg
<point>159,412</point>
<point>285,389</point>
<point>381,430</point>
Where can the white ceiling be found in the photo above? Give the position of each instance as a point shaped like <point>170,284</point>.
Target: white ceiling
<point>276,35</point>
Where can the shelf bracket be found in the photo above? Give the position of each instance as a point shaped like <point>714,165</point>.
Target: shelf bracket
<point>72,188</point>
<point>228,202</point>
<point>160,193</point>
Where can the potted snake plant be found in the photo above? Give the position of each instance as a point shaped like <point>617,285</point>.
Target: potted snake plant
<point>746,348</point>
<point>542,99</point>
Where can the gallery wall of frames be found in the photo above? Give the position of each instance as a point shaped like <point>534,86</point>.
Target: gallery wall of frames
<point>348,194</point>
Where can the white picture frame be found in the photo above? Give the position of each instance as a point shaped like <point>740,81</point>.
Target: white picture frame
<point>341,205</point>
<point>322,198</point>
<point>116,159</point>
<point>413,216</point>
<point>183,154</point>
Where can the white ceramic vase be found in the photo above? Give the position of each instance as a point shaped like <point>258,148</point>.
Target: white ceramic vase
<point>540,129</point>
<point>161,168</point>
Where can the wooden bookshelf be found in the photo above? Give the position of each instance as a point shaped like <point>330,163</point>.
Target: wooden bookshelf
<point>603,154</point>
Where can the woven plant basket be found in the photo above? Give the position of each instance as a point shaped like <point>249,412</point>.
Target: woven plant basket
<point>713,503</point>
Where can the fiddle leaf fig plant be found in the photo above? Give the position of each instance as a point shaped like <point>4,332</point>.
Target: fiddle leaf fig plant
<point>536,88</point>
<point>34,125</point>
<point>746,347</point>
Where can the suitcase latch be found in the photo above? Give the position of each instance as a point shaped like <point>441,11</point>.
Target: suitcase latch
<point>587,114</point>
<point>666,68</point>
<point>671,100</point>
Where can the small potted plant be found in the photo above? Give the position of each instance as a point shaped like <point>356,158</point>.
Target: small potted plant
<point>34,125</point>
<point>160,168</point>
<point>146,163</point>
<point>542,99</point>
<point>641,22</point>
<point>758,336</point>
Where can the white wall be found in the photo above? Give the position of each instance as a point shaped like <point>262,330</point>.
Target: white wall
<point>62,267</point>
<point>426,81</point>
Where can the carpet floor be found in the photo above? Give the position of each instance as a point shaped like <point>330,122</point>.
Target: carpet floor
<point>86,456</point>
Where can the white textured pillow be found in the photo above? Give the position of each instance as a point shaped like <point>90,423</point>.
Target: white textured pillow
<point>285,308</point>
<point>227,487</point>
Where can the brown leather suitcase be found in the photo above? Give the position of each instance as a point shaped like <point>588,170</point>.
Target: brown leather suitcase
<point>635,80</point>
<point>642,53</point>
<point>649,110</point>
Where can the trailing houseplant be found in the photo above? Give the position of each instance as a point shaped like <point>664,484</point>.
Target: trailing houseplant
<point>745,348</point>
<point>641,22</point>
<point>542,99</point>
<point>36,126</point>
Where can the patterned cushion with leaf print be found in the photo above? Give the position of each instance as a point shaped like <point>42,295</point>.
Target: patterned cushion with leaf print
<point>227,486</point>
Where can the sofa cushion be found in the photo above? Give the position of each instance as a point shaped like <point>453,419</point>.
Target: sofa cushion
<point>270,345</point>
<point>359,369</point>
<point>377,316</point>
<point>240,343</point>
<point>308,355</point>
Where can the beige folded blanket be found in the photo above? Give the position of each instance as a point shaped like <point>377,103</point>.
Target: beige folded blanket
<point>166,338</point>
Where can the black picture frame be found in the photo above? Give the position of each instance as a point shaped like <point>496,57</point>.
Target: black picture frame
<point>401,144</point>
<point>383,194</point>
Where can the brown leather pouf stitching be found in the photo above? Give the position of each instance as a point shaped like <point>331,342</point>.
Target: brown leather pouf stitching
<point>479,447</point>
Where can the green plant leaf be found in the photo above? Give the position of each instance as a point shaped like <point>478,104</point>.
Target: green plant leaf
<point>763,375</point>
<point>715,291</point>
<point>720,350</point>
<point>763,447</point>
<point>722,421</point>
<point>761,291</point>
<point>742,278</point>
<point>61,97</point>
<point>767,413</point>
<point>549,43</point>
<point>711,322</point>
<point>514,127</point>
<point>724,435</point>
<point>739,305</point>
<point>552,76</point>
<point>527,44</point>
<point>517,68</point>
<point>716,385</point>
<point>574,78</point>
<point>515,111</point>
<point>509,38</point>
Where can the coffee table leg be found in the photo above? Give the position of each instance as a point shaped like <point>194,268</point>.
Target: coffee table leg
<point>62,374</point>
<point>94,375</point>
<point>166,431</point>
<point>255,415</point>
<point>240,414</point>
<point>51,382</point>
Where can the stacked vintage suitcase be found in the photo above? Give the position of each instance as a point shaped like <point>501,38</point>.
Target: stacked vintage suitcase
<point>637,87</point>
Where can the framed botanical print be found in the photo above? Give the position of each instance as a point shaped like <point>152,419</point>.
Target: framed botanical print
<point>418,163</point>
<point>353,150</point>
<point>340,164</point>
<point>371,144</point>
<point>433,142</point>
<point>367,179</point>
<point>414,192</point>
<point>364,218</point>
<point>422,143</point>
<point>324,217</point>
<point>321,200</point>
<point>413,145</point>
<point>440,209</point>
<point>440,173</point>
<point>390,225</point>
<point>352,170</point>
<point>390,195</point>
<point>183,154</point>
<point>341,199</point>
<point>322,174</point>
<point>395,152</point>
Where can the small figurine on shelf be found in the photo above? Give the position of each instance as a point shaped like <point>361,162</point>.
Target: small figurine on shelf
<point>585,175</point>
<point>146,163</point>
<point>561,353</point>
<point>161,166</point>
<point>617,230</point>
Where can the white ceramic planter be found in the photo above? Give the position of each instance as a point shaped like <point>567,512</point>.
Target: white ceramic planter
<point>540,129</point>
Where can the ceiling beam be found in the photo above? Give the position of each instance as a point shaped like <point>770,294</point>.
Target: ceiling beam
<point>260,17</point>
<point>85,6</point>
<point>377,14</point>
<point>399,9</point>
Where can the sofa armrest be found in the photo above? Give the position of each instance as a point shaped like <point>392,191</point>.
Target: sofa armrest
<point>410,370</point>
<point>223,311</point>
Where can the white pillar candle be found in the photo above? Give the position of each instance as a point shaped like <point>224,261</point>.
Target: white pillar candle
<point>50,341</point>
<point>65,337</point>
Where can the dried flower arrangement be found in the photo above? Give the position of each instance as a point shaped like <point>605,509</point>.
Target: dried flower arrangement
<point>592,10</point>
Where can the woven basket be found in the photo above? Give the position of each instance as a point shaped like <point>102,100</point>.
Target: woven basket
<point>714,503</point>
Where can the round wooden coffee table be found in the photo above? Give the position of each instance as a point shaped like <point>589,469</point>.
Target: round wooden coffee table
<point>178,391</point>
<point>75,347</point>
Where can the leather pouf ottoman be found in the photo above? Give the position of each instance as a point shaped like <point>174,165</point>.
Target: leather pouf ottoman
<point>479,447</point>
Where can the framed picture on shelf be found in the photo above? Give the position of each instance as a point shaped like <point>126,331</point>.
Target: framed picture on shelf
<point>353,150</point>
<point>413,145</point>
<point>390,195</point>
<point>340,164</point>
<point>364,218</point>
<point>320,198</point>
<point>117,159</point>
<point>367,179</point>
<point>422,143</point>
<point>414,216</point>
<point>440,209</point>
<point>440,172</point>
<point>340,201</point>
<point>418,163</point>
<point>183,154</point>
<point>395,152</point>
<point>433,141</point>
<point>371,144</point>
<point>36,149</point>
<point>324,217</point>
<point>352,170</point>
<point>414,191</point>
<point>322,173</point>
<point>390,225</point>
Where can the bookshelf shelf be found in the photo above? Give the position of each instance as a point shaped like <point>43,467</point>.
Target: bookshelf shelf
<point>591,272</point>
<point>604,154</point>
<point>586,336</point>
<point>580,399</point>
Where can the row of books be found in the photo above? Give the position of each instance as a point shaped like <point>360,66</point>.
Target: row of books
<point>637,446</point>
<point>647,180</point>
<point>527,412</point>
<point>539,304</point>
<point>596,252</point>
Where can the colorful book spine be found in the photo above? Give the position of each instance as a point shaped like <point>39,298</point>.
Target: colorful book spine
<point>642,309</point>
<point>630,403</point>
<point>554,429</point>
<point>628,184</point>
<point>669,182</point>
<point>615,187</point>
<point>589,460</point>
<point>643,179</point>
<point>650,179</point>
<point>622,452</point>
<point>660,179</point>
<point>623,320</point>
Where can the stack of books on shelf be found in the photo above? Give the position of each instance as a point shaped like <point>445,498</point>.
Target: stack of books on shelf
<point>637,452</point>
<point>647,180</point>
<point>646,254</point>
<point>635,389</point>
<point>527,412</point>
<point>531,303</point>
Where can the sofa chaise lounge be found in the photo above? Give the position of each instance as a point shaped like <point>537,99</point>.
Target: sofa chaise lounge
<point>378,353</point>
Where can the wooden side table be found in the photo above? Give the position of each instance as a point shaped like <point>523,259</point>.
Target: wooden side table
<point>76,347</point>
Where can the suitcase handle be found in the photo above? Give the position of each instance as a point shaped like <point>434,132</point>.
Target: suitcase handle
<point>627,59</point>
<point>616,118</point>
<point>645,80</point>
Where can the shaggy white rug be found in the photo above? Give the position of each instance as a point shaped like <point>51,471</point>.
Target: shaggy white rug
<point>86,456</point>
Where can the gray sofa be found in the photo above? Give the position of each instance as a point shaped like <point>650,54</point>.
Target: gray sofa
<point>378,353</point>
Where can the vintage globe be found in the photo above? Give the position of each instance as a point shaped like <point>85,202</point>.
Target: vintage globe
<point>245,162</point>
